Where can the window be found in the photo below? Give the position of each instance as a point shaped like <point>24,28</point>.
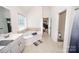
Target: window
<point>21,22</point>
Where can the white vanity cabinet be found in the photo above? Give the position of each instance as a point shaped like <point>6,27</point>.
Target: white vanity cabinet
<point>21,44</point>
<point>5,49</point>
<point>16,46</point>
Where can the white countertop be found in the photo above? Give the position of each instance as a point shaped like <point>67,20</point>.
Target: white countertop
<point>14,36</point>
<point>11,37</point>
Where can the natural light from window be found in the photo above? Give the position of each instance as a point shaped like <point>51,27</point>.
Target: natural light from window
<point>21,22</point>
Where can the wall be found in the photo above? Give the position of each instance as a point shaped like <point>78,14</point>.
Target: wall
<point>55,16</point>
<point>35,17</point>
<point>46,11</point>
<point>68,24</point>
<point>14,17</point>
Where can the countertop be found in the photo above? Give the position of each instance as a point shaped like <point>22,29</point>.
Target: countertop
<point>11,37</point>
<point>14,36</point>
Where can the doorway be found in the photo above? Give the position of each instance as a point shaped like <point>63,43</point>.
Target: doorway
<point>45,25</point>
<point>61,29</point>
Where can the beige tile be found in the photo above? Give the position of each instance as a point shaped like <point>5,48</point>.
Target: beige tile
<point>48,46</point>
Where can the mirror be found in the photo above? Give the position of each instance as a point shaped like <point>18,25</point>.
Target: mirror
<point>5,21</point>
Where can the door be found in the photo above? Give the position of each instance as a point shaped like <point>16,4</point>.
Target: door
<point>45,25</point>
<point>62,18</point>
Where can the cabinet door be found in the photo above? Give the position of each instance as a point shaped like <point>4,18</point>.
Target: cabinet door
<point>18,45</point>
<point>5,50</point>
<point>21,44</point>
<point>14,47</point>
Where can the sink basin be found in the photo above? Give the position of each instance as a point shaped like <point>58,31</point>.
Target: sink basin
<point>5,42</point>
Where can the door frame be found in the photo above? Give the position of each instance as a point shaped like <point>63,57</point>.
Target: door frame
<point>64,24</point>
<point>49,25</point>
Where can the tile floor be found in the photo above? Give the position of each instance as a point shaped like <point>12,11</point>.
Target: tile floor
<point>48,46</point>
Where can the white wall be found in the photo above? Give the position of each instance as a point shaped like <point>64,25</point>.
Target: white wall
<point>68,24</point>
<point>35,17</point>
<point>14,17</point>
<point>46,11</point>
<point>55,17</point>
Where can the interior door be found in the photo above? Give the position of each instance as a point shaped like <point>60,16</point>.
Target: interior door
<point>62,18</point>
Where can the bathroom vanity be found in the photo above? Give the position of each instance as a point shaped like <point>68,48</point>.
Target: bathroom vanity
<point>15,43</point>
<point>16,46</point>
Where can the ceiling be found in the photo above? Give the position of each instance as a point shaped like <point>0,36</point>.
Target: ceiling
<point>25,9</point>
